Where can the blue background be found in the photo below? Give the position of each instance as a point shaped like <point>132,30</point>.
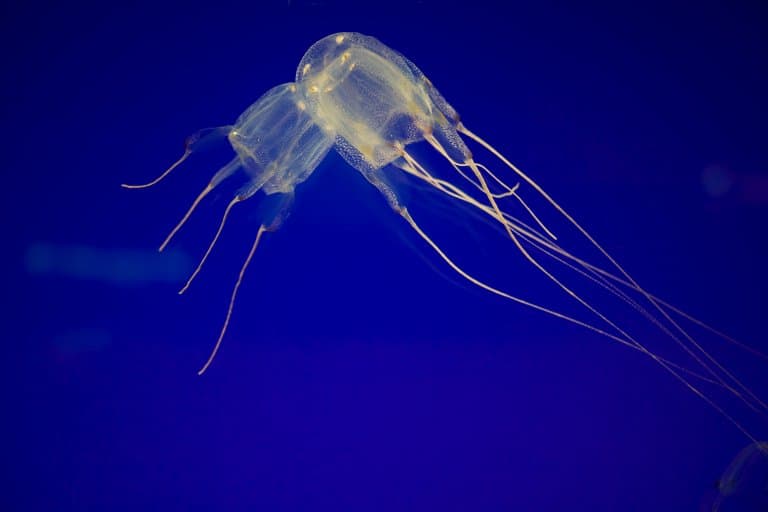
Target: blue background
<point>353,376</point>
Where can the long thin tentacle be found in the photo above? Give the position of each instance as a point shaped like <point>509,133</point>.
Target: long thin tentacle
<point>246,192</point>
<point>232,203</point>
<point>406,215</point>
<point>510,191</point>
<point>523,228</point>
<point>187,152</point>
<point>191,144</point>
<point>261,231</point>
<point>186,216</point>
<point>223,173</point>
<point>461,128</point>
<point>539,240</point>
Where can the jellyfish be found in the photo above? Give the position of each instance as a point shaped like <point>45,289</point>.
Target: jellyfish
<point>370,104</point>
<point>278,145</point>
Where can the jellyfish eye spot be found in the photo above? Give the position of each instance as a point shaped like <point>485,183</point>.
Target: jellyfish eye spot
<point>339,39</point>
<point>305,69</point>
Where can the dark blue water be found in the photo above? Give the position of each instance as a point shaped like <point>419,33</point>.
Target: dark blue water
<point>356,376</point>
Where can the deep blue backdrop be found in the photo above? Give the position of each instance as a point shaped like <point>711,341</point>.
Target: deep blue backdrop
<point>354,377</point>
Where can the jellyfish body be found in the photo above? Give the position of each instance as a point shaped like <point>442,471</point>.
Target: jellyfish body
<point>377,101</point>
<point>278,143</point>
<point>370,103</point>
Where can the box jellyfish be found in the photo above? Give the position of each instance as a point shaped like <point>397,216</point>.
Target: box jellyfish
<point>371,104</point>
<point>278,145</point>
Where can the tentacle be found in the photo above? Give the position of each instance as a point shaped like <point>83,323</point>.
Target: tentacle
<point>457,165</point>
<point>223,173</point>
<point>422,173</point>
<point>157,180</point>
<point>236,200</point>
<point>262,230</point>
<point>246,193</point>
<point>462,129</point>
<point>529,233</point>
<point>510,191</point>
<point>522,228</point>
<point>191,144</point>
<point>406,215</point>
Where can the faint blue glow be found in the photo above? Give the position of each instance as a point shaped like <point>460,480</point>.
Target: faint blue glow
<point>114,266</point>
<point>82,340</point>
<point>716,180</point>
